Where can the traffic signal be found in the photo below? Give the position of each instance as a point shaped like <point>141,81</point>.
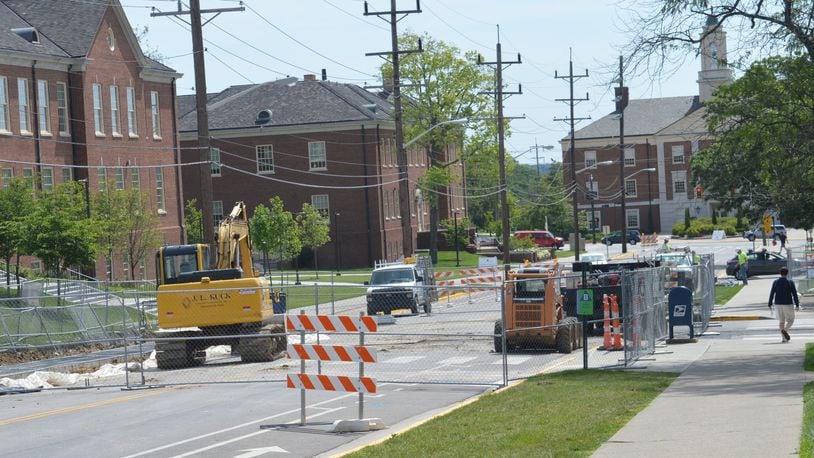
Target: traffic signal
<point>698,194</point>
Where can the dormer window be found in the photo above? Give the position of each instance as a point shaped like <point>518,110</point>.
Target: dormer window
<point>263,117</point>
<point>28,34</point>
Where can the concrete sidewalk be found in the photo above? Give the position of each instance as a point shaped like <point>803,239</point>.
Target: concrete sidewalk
<point>735,397</point>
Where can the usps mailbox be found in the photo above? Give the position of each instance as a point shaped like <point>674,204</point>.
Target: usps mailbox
<point>679,304</point>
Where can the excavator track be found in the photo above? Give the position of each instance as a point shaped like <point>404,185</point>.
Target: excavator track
<point>177,354</point>
<point>267,344</point>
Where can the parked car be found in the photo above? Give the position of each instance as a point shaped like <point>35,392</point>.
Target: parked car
<point>482,241</point>
<point>593,258</point>
<point>760,263</point>
<point>757,232</point>
<point>543,239</point>
<point>633,237</point>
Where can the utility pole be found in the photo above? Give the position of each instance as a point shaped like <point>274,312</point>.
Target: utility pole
<point>499,97</point>
<point>621,102</point>
<point>571,119</point>
<point>204,157</point>
<point>537,149</point>
<point>401,154</point>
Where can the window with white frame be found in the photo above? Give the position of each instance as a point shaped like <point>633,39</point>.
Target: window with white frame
<point>28,177</point>
<point>217,212</point>
<point>22,104</point>
<point>7,175</point>
<point>98,117</point>
<point>135,179</point>
<point>155,113</point>
<point>396,204</point>
<point>632,218</point>
<point>119,178</point>
<point>214,156</point>
<point>101,175</point>
<point>679,183</point>
<point>265,159</point>
<point>321,204</point>
<point>590,159</point>
<point>4,115</point>
<point>115,124</point>
<point>62,109</point>
<point>43,110</point>
<point>159,191</point>
<point>316,156</point>
<point>630,188</point>
<point>47,178</point>
<point>67,174</point>
<point>387,205</point>
<point>132,124</point>
<point>678,154</point>
<point>630,157</point>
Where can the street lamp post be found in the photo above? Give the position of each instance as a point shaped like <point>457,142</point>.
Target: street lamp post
<point>455,220</point>
<point>537,154</point>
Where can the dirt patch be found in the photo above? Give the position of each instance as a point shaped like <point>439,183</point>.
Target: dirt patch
<point>38,354</point>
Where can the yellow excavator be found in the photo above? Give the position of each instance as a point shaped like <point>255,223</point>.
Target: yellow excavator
<point>200,307</point>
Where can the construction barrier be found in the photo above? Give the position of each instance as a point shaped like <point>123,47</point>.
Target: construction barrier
<point>649,239</point>
<point>612,338</point>
<point>359,354</point>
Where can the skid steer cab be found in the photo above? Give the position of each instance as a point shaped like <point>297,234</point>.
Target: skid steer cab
<point>535,313</point>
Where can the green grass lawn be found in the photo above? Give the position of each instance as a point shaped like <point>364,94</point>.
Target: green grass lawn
<point>807,436</point>
<point>561,414</point>
<point>724,293</point>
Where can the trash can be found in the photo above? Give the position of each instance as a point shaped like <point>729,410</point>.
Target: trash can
<point>679,306</point>
<point>278,301</point>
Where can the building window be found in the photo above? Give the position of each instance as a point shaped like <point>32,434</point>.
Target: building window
<point>135,179</point>
<point>67,174</point>
<point>396,204</point>
<point>316,156</point>
<point>679,183</point>
<point>101,175</point>
<point>217,212</point>
<point>630,157</point>
<point>115,127</point>
<point>98,121</point>
<point>159,191</point>
<point>320,203</point>
<point>630,188</point>
<point>62,108</point>
<point>119,178</point>
<point>590,159</point>
<point>22,101</point>
<point>265,159</point>
<point>4,121</point>
<point>7,175</point>
<point>28,177</point>
<point>156,114</point>
<point>632,218</point>
<point>47,178</point>
<point>132,125</point>
<point>387,205</point>
<point>42,107</point>
<point>678,154</point>
<point>214,156</point>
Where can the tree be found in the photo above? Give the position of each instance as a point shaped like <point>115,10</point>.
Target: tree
<point>315,229</point>
<point>262,236</point>
<point>16,202</point>
<point>147,49</point>
<point>764,152</point>
<point>663,31</point>
<point>142,234</point>
<point>109,215</point>
<point>277,234</point>
<point>446,86</point>
<point>193,221</point>
<point>57,230</point>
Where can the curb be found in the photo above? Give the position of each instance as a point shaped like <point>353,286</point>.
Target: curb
<point>738,318</point>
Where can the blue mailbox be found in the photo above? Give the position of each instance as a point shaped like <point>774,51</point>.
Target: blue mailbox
<point>679,304</point>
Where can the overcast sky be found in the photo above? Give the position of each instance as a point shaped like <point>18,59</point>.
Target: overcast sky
<point>273,39</point>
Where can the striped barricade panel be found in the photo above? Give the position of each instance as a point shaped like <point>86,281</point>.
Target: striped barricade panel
<point>332,353</point>
<point>330,323</point>
<point>443,274</point>
<point>331,383</point>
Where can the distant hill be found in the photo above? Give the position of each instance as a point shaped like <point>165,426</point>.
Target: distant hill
<point>544,168</point>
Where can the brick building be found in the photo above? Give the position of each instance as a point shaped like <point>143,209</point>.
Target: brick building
<point>80,101</point>
<point>661,134</point>
<point>309,141</point>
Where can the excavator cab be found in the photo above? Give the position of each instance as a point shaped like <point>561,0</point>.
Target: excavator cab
<point>175,263</point>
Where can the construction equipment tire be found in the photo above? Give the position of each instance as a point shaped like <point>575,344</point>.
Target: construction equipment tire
<point>564,333</point>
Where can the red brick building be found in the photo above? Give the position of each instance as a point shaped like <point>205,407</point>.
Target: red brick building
<point>328,144</point>
<point>80,101</point>
<point>661,134</point>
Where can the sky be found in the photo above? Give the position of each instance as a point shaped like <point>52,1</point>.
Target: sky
<point>273,39</point>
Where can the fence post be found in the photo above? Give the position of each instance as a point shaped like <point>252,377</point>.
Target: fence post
<point>503,326</point>
<point>302,371</point>
<point>361,370</point>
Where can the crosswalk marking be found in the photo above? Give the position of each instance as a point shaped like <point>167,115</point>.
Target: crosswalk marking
<point>513,360</point>
<point>403,359</point>
<point>458,360</point>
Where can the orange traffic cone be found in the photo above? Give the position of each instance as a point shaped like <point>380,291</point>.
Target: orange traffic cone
<point>617,331</point>
<point>606,323</point>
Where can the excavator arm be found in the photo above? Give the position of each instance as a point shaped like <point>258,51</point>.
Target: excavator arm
<point>234,242</point>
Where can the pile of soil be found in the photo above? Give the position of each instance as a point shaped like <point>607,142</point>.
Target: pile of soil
<point>38,354</point>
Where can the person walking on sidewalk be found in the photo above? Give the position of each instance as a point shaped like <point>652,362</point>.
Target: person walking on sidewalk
<point>743,268</point>
<point>784,295</point>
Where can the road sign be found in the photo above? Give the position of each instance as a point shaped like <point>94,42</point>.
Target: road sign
<point>767,224</point>
<point>585,302</point>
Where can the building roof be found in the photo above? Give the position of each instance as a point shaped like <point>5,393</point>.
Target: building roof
<point>291,103</point>
<point>61,34</point>
<point>642,117</point>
